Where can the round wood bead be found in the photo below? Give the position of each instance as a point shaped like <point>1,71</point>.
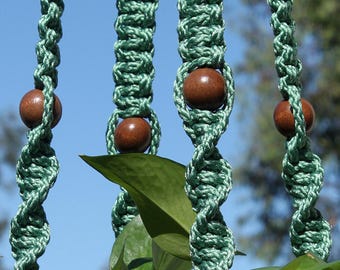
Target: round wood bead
<point>284,118</point>
<point>132,135</point>
<point>32,108</point>
<point>204,89</point>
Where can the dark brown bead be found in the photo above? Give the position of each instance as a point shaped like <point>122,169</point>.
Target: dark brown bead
<point>132,135</point>
<point>32,108</point>
<point>284,118</point>
<point>204,89</point>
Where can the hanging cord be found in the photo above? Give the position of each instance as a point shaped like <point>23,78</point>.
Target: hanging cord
<point>208,175</point>
<point>37,167</point>
<point>302,171</point>
<point>133,74</point>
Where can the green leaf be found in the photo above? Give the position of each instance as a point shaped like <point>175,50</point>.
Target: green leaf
<point>165,261</point>
<point>240,253</point>
<point>119,264</point>
<point>134,243</point>
<point>138,262</point>
<point>157,187</point>
<point>330,266</point>
<point>176,244</point>
<point>268,268</point>
<point>306,262</point>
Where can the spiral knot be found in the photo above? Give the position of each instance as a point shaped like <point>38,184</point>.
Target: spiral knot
<point>38,167</point>
<point>208,175</point>
<point>47,49</point>
<point>302,172</point>
<point>133,74</point>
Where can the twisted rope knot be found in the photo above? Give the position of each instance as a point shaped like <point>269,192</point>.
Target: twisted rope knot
<point>37,170</point>
<point>133,75</point>
<point>30,238</point>
<point>204,127</point>
<point>128,106</point>
<point>200,33</point>
<point>123,211</point>
<point>38,167</point>
<point>309,231</point>
<point>47,50</point>
<point>209,178</point>
<point>147,7</point>
<point>202,47</point>
<point>303,178</point>
<point>302,171</point>
<point>133,63</point>
<point>208,175</point>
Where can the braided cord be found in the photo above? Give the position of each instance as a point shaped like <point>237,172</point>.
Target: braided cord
<point>37,167</point>
<point>208,175</point>
<point>302,170</point>
<point>133,74</point>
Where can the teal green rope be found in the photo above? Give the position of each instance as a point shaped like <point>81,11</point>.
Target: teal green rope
<point>37,167</point>
<point>208,175</point>
<point>133,74</point>
<point>302,171</point>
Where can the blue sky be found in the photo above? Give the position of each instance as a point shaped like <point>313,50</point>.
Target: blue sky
<point>79,205</point>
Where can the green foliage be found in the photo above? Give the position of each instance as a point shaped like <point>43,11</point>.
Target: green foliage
<point>134,242</point>
<point>165,261</point>
<point>269,268</point>
<point>306,262</point>
<point>136,263</point>
<point>134,249</point>
<point>148,242</point>
<point>119,264</point>
<point>157,187</point>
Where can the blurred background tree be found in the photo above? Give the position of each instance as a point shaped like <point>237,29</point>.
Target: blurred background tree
<point>317,24</point>
<point>11,140</point>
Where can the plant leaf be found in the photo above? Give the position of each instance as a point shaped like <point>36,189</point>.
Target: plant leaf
<point>165,261</point>
<point>269,268</point>
<point>306,262</point>
<point>139,262</point>
<point>119,264</point>
<point>240,253</point>
<point>330,266</point>
<point>134,243</point>
<point>157,187</point>
<point>175,244</point>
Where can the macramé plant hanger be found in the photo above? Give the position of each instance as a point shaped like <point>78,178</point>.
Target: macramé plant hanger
<point>37,167</point>
<point>168,215</point>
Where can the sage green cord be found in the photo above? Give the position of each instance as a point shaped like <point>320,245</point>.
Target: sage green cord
<point>133,74</point>
<point>302,171</point>
<point>208,175</point>
<point>37,167</point>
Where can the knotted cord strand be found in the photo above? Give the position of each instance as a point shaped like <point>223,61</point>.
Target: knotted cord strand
<point>302,170</point>
<point>133,74</point>
<point>208,175</point>
<point>37,167</point>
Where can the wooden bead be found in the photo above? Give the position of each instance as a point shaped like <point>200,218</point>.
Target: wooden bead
<point>132,135</point>
<point>32,108</point>
<point>284,118</point>
<point>204,89</point>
